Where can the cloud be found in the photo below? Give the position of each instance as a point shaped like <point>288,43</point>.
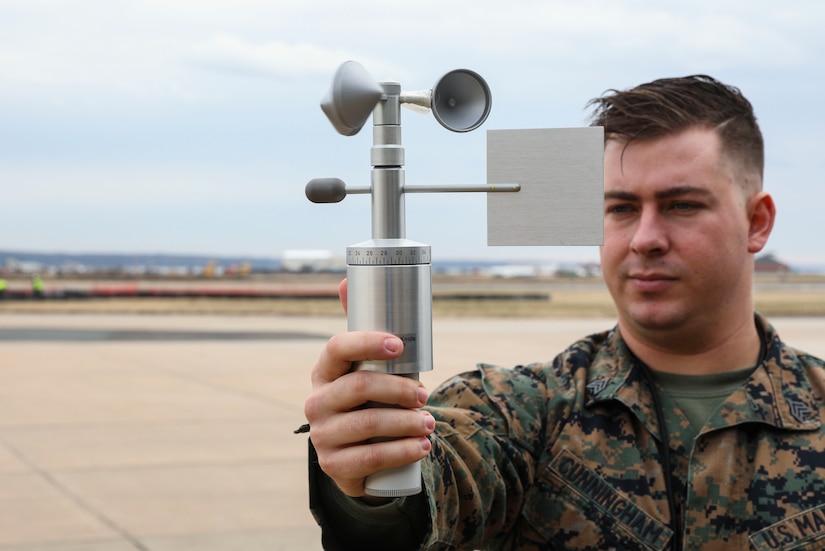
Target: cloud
<point>703,34</point>
<point>225,51</point>
<point>99,185</point>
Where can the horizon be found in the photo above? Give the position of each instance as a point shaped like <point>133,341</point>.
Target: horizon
<point>815,266</point>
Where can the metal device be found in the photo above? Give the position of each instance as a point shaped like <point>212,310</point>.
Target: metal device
<point>389,277</point>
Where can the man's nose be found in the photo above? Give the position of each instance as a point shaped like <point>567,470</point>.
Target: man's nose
<point>650,237</point>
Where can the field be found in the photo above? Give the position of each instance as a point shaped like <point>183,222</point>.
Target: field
<point>453,296</point>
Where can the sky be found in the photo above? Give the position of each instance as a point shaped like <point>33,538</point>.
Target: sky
<point>193,126</point>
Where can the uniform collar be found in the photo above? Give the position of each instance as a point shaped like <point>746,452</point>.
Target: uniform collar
<point>777,393</point>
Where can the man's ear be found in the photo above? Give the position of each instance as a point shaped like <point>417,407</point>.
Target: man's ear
<point>761,215</point>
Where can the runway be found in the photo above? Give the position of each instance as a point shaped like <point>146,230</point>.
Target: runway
<point>175,433</point>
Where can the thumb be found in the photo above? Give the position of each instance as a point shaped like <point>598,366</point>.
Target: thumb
<point>342,293</point>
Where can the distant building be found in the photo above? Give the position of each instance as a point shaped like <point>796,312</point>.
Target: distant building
<point>311,260</point>
<point>508,271</point>
<point>24,266</point>
<point>769,264</point>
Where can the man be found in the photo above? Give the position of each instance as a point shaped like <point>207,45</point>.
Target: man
<point>37,286</point>
<point>688,425</point>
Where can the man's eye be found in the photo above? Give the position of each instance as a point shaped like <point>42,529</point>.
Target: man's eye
<point>684,206</point>
<point>619,209</point>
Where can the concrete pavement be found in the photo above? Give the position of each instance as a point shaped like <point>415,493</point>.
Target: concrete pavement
<point>174,433</point>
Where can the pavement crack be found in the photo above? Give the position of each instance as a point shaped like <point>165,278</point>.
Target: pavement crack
<point>74,498</point>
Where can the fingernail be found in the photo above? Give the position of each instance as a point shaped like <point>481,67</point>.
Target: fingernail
<point>392,345</point>
<point>422,395</point>
<point>429,420</point>
<point>425,444</point>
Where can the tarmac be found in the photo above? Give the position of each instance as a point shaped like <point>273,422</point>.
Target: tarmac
<point>175,433</point>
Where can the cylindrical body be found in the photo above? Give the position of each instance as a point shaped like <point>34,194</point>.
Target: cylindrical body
<point>389,288</point>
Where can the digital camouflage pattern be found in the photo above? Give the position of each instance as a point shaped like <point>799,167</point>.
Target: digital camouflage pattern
<point>564,456</point>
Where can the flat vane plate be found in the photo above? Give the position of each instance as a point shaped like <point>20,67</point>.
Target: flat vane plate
<point>561,173</point>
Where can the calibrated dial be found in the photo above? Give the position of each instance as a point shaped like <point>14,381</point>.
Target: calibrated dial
<point>388,252</point>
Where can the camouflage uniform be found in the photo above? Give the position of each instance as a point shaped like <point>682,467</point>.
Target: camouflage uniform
<point>566,456</point>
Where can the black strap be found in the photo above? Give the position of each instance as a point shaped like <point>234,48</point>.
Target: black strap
<point>664,451</point>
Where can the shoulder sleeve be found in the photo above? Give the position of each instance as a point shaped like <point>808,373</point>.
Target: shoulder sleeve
<point>490,432</point>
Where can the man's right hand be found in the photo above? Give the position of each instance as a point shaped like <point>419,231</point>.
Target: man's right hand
<point>341,426</point>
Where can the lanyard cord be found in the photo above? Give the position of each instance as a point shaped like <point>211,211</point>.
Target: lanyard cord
<point>675,521</point>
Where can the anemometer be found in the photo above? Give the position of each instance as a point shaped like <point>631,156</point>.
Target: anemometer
<point>389,276</point>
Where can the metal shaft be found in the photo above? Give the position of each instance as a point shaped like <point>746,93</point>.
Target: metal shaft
<point>387,159</point>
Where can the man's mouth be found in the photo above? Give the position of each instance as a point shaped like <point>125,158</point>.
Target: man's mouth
<point>651,282</point>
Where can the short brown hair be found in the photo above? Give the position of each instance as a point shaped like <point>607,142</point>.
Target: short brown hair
<point>670,105</point>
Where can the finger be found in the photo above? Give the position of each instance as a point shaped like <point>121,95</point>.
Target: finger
<point>364,425</point>
<point>354,390</point>
<point>350,466</point>
<point>359,387</point>
<point>343,349</point>
<point>342,293</point>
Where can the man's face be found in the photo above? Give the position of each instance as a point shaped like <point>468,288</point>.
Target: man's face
<point>676,249</point>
